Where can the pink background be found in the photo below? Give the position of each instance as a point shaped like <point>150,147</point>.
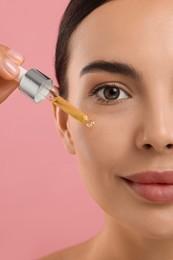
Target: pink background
<point>44,205</point>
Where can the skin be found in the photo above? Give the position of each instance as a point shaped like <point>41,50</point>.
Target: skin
<point>7,83</point>
<point>139,33</point>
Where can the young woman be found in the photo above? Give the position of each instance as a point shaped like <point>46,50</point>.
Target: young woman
<point>114,60</point>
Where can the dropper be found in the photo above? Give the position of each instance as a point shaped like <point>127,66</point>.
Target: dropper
<point>38,87</point>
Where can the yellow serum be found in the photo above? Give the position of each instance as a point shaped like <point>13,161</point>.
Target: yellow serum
<point>73,111</point>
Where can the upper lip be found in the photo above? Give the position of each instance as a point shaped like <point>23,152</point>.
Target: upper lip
<point>150,177</point>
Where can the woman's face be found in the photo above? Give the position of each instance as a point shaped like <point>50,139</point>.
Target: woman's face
<point>133,118</point>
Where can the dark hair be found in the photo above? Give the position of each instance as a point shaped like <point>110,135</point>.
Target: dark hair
<point>75,12</point>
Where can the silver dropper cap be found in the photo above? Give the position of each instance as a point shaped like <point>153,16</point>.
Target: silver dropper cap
<point>35,85</point>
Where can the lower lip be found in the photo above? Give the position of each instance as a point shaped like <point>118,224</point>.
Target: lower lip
<point>153,192</point>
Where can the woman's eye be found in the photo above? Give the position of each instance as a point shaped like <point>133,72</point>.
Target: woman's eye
<point>109,93</point>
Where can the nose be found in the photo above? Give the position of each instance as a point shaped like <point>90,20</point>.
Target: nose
<point>156,129</point>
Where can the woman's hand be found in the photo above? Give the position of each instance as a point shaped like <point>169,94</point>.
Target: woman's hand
<point>9,62</point>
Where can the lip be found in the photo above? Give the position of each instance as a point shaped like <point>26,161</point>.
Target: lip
<point>152,177</point>
<point>152,185</point>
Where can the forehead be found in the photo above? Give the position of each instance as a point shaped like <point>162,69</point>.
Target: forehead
<point>122,28</point>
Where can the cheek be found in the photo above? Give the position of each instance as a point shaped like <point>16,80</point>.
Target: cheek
<point>102,152</point>
<point>107,144</point>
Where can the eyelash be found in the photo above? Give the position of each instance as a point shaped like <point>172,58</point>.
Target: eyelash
<point>94,92</point>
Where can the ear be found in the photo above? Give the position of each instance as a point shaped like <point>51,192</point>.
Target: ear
<point>62,126</point>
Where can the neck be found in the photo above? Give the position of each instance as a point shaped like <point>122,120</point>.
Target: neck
<point>117,242</point>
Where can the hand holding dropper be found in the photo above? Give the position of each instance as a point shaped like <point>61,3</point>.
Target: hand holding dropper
<point>38,87</point>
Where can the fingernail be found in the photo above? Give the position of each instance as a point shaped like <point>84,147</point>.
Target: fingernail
<point>10,67</point>
<point>15,55</point>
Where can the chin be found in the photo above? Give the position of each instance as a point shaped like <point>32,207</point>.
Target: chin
<point>156,232</point>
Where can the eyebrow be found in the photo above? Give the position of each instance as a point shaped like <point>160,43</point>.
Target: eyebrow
<point>112,67</point>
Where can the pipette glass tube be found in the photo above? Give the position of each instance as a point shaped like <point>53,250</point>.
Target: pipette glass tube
<point>38,87</point>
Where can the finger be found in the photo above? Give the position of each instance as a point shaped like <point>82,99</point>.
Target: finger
<point>8,69</point>
<point>15,56</point>
<point>9,62</point>
<point>6,88</point>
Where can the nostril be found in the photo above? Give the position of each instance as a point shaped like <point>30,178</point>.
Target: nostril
<point>169,146</point>
<point>148,146</point>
